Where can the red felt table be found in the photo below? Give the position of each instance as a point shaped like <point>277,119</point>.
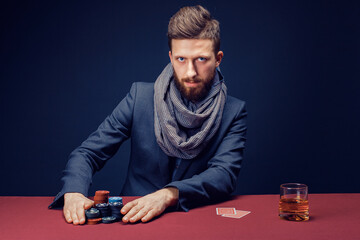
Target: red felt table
<point>332,216</point>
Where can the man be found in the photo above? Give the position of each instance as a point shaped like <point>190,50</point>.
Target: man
<point>187,136</point>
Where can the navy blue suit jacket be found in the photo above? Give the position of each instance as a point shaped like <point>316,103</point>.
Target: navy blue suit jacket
<point>209,177</point>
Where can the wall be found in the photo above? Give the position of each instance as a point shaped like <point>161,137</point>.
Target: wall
<point>65,65</point>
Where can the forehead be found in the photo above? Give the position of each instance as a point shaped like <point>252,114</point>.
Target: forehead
<point>192,47</point>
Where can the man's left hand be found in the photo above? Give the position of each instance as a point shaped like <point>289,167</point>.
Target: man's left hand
<point>150,206</point>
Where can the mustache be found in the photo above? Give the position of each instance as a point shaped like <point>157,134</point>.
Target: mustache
<point>192,80</point>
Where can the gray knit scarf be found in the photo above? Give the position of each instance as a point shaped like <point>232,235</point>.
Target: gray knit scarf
<point>180,132</point>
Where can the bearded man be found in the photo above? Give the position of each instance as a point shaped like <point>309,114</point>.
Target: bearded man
<point>187,135</point>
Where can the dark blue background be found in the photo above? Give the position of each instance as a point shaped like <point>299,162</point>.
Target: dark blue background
<point>66,64</point>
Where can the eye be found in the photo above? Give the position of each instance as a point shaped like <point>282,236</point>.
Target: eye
<point>201,59</point>
<point>181,59</point>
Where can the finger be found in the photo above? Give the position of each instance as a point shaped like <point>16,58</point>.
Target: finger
<point>128,206</point>
<point>131,213</point>
<point>67,216</point>
<point>74,217</point>
<point>88,204</point>
<point>150,215</point>
<point>80,213</point>
<point>140,214</point>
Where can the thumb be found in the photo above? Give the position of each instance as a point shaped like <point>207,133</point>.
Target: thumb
<point>88,204</point>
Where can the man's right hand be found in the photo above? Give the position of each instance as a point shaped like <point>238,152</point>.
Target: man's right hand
<point>74,207</point>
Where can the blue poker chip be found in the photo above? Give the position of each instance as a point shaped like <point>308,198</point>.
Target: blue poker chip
<point>109,219</point>
<point>115,199</point>
<point>116,205</point>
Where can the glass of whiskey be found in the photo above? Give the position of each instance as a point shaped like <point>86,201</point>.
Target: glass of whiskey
<point>293,204</point>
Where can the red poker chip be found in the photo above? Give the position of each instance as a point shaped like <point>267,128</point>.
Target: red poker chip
<point>101,196</point>
<point>102,193</point>
<point>101,199</point>
<point>93,221</point>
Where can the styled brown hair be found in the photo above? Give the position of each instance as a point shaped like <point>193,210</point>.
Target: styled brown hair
<point>194,23</point>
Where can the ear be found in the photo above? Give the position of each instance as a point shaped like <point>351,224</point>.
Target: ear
<point>170,56</point>
<point>219,57</point>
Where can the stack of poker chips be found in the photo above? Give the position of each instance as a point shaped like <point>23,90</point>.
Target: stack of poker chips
<point>101,196</point>
<point>116,204</point>
<point>92,216</point>
<point>115,210</point>
<point>107,210</point>
<point>104,208</point>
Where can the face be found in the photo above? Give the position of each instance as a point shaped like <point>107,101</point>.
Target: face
<point>194,63</point>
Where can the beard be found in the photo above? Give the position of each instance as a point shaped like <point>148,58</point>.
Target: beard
<point>194,94</point>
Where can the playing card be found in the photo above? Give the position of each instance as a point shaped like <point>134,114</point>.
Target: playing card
<point>238,214</point>
<point>221,211</point>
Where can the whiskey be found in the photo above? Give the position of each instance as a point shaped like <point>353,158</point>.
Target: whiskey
<point>294,209</point>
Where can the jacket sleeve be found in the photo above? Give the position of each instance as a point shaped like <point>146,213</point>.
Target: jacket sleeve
<point>94,152</point>
<point>218,181</point>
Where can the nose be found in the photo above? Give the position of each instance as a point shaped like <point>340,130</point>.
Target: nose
<point>191,70</point>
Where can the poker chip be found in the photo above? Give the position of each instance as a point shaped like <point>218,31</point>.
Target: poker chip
<point>92,213</point>
<point>93,221</point>
<point>104,209</point>
<point>115,205</point>
<point>102,205</point>
<point>102,192</point>
<point>115,199</point>
<point>101,196</point>
<point>115,209</point>
<point>110,219</point>
<point>97,200</point>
